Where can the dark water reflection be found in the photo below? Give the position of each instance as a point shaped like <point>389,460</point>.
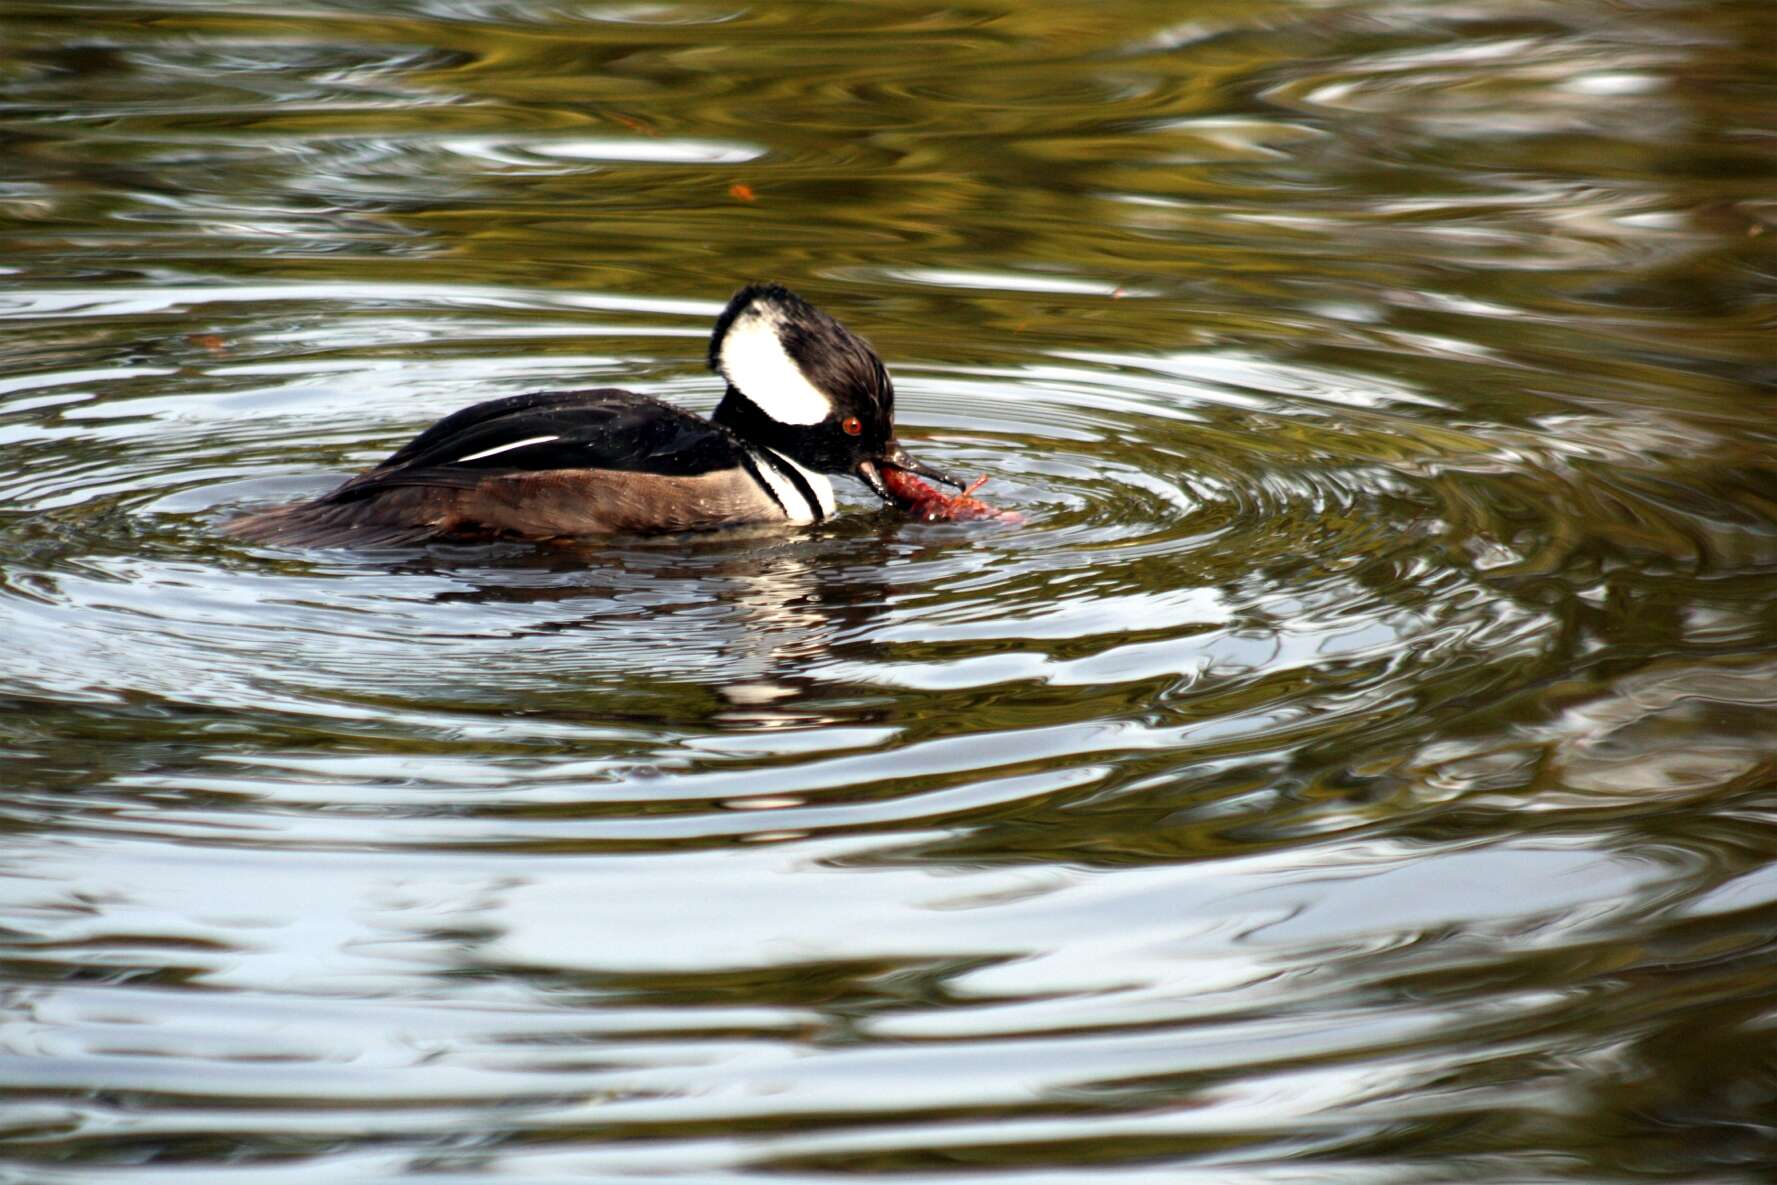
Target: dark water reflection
<point>1362,766</point>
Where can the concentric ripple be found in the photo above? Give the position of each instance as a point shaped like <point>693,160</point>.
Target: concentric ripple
<point>1212,564</point>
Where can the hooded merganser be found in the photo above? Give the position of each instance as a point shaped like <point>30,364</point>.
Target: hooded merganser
<point>805,398</point>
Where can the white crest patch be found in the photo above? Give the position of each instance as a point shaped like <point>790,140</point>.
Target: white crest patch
<point>503,448</point>
<point>752,358</point>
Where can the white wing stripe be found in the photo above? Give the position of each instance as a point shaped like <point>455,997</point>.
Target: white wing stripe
<point>503,448</point>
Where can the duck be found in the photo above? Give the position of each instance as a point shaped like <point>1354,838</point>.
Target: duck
<point>805,400</point>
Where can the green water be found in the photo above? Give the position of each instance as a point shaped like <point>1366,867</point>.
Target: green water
<point>1361,766</point>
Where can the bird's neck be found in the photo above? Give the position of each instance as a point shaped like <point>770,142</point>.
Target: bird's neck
<point>738,413</point>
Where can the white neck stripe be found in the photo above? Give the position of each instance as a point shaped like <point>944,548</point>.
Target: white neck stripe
<point>775,469</point>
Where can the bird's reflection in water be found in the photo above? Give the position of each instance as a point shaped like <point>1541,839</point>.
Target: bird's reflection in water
<point>748,617</point>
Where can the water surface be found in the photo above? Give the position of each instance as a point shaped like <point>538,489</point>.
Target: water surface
<point>1361,766</point>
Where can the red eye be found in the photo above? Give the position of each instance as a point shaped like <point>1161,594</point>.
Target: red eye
<point>852,425</point>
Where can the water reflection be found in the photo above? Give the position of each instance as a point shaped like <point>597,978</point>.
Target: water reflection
<point>749,612</point>
<point>1357,767</point>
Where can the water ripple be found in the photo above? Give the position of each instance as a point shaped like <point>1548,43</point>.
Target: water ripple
<point>1356,767</point>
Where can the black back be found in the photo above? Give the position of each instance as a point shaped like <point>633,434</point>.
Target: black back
<point>604,428</point>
